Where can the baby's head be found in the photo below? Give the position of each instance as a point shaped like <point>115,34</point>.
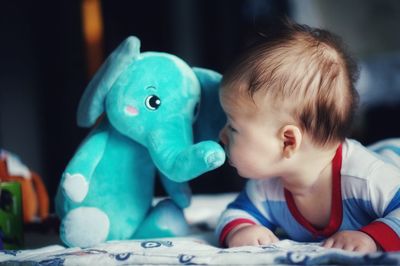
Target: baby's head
<point>298,76</point>
<point>291,92</point>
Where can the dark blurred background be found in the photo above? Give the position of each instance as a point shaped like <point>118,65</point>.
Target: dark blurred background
<point>47,57</point>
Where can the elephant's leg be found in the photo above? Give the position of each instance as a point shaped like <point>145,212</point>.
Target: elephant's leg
<point>166,219</point>
<point>180,193</point>
<point>84,227</point>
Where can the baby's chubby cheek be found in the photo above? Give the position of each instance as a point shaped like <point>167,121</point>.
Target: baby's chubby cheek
<point>228,155</point>
<point>232,159</point>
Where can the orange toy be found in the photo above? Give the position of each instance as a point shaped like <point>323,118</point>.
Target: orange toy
<point>35,199</point>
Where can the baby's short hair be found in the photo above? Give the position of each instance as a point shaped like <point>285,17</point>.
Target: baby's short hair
<point>306,69</point>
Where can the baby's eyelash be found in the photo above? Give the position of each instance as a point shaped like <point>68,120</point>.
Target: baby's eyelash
<point>232,128</point>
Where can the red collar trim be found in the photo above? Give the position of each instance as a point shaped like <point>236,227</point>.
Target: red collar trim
<point>336,216</point>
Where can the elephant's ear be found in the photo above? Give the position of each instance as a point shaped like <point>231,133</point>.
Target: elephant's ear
<point>91,105</point>
<point>211,118</point>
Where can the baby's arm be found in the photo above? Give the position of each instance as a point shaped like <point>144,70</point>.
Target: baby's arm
<point>384,193</point>
<point>244,222</point>
<point>352,241</point>
<point>384,231</point>
<point>247,234</point>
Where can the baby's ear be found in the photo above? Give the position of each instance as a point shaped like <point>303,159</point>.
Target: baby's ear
<point>291,137</point>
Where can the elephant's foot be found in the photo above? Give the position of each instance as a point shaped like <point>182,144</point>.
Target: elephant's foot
<point>166,219</point>
<point>84,227</point>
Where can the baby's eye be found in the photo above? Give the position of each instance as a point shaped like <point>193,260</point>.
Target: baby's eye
<point>231,128</point>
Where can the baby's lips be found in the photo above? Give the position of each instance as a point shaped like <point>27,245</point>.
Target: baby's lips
<point>228,157</point>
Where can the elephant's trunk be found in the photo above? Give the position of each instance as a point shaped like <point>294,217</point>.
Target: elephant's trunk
<point>175,155</point>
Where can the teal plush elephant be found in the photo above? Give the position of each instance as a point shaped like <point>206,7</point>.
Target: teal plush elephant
<point>154,107</point>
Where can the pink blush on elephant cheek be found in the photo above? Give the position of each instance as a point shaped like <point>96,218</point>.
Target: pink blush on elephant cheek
<point>132,111</point>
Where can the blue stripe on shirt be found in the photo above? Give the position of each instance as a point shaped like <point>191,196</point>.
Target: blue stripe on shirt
<point>392,221</point>
<point>394,204</point>
<point>243,202</point>
<point>393,148</point>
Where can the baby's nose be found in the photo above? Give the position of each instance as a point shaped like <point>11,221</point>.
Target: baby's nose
<point>223,137</point>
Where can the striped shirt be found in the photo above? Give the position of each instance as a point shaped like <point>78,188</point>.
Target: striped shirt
<point>365,197</point>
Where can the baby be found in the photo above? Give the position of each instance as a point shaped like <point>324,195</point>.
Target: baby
<point>290,101</point>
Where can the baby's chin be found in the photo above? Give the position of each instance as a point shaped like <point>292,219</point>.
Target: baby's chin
<point>238,171</point>
<point>251,175</point>
<point>244,173</point>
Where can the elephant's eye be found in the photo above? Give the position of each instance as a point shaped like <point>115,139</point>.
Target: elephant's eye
<point>153,102</point>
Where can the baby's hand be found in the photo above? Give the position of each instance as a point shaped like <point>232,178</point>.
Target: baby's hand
<point>250,235</point>
<point>351,241</point>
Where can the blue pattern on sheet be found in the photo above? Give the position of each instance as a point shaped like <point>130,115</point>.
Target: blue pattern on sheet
<point>194,251</point>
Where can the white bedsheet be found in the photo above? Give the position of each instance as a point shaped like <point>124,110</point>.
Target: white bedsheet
<point>200,248</point>
<point>192,251</point>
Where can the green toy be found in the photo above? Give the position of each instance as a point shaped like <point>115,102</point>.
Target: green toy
<point>150,103</point>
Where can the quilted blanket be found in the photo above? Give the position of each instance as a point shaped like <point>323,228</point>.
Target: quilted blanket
<point>199,248</point>
<point>193,251</point>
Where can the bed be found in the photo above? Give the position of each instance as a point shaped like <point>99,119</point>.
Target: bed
<point>198,248</point>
